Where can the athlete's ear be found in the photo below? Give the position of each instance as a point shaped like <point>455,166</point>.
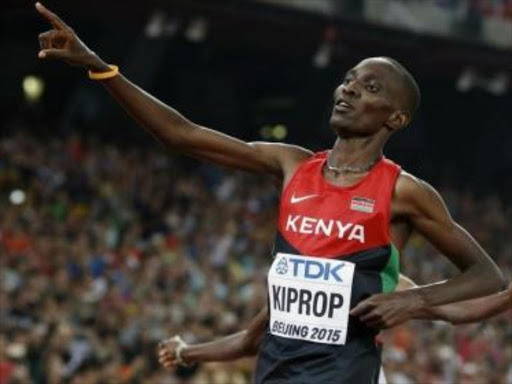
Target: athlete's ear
<point>398,120</point>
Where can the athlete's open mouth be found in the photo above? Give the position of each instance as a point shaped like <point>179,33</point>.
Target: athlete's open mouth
<point>343,105</point>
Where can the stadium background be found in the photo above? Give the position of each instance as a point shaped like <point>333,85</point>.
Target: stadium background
<point>109,244</point>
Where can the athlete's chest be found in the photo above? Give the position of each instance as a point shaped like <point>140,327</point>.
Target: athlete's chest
<point>342,214</point>
<point>320,218</point>
<point>324,220</point>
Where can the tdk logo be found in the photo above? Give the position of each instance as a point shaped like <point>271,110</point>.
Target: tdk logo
<point>282,266</point>
<point>311,269</point>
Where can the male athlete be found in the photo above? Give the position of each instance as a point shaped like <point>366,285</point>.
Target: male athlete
<point>345,214</point>
<point>175,351</point>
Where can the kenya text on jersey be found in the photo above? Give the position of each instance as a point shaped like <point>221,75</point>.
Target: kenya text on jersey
<point>313,226</point>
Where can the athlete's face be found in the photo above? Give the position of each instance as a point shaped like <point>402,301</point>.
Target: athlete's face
<point>368,100</point>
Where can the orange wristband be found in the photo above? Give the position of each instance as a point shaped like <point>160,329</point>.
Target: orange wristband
<point>114,71</point>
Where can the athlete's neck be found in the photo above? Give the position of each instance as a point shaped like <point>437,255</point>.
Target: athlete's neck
<point>356,151</point>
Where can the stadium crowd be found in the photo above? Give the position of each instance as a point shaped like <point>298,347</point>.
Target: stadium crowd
<point>113,248</point>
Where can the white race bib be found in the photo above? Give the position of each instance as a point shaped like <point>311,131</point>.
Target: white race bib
<point>310,298</point>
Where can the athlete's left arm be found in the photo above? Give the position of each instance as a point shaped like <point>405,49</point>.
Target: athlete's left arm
<point>468,311</point>
<point>422,206</point>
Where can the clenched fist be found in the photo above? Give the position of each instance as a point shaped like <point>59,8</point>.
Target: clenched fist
<point>169,352</point>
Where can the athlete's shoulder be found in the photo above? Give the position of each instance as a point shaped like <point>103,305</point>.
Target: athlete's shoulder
<point>299,153</point>
<point>410,186</point>
<point>293,155</point>
<point>390,163</point>
<point>390,168</point>
<point>284,157</point>
<point>283,150</point>
<point>412,194</point>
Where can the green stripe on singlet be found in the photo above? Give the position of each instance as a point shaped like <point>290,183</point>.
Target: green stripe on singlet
<point>389,275</point>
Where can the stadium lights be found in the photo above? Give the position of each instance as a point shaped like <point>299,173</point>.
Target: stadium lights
<point>280,132</point>
<point>17,197</point>
<point>276,132</point>
<point>496,84</point>
<point>33,88</point>
<point>499,83</point>
<point>323,55</point>
<point>155,26</point>
<point>159,25</point>
<point>197,30</point>
<point>465,80</point>
<point>266,132</point>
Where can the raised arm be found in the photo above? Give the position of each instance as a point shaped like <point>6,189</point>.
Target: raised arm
<point>170,127</point>
<point>468,311</point>
<point>419,204</point>
<point>232,347</point>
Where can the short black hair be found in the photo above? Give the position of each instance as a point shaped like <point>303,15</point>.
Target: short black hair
<point>413,94</point>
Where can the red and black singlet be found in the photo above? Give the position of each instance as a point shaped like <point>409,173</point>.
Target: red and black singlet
<point>320,220</point>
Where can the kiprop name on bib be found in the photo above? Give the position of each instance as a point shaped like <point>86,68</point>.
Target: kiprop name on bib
<point>310,298</point>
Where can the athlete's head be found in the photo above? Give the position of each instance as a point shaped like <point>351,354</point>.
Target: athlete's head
<point>378,93</point>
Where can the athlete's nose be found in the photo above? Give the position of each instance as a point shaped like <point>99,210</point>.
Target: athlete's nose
<point>350,89</point>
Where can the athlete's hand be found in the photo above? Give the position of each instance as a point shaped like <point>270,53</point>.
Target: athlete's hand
<point>388,310</point>
<point>167,355</point>
<point>62,43</point>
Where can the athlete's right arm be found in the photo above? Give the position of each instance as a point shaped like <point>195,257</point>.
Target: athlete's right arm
<point>242,344</point>
<point>170,127</point>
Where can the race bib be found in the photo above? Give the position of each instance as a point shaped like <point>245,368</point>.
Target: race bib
<point>310,298</point>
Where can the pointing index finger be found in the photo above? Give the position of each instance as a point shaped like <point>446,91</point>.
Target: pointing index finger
<point>54,20</point>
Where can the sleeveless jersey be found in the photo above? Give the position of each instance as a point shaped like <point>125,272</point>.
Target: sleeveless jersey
<point>332,250</point>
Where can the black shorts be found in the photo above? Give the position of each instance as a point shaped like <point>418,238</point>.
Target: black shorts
<point>289,361</point>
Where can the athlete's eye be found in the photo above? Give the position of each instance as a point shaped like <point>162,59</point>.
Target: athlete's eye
<point>372,88</point>
<point>347,80</point>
